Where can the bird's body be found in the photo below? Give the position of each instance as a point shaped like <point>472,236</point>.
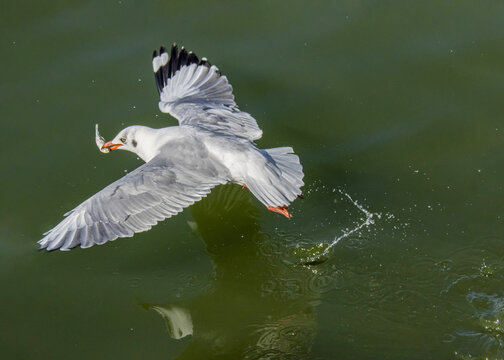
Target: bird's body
<point>217,144</point>
<point>214,144</point>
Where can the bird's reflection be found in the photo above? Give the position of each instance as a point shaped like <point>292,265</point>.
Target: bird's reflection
<point>258,306</point>
<point>178,320</point>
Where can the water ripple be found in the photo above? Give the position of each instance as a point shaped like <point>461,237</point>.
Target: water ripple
<point>474,277</point>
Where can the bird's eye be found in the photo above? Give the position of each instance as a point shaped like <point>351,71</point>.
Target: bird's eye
<point>123,140</point>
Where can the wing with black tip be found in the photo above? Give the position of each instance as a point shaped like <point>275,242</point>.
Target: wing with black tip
<point>197,94</point>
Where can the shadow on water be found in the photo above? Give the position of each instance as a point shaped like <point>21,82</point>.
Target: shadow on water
<point>258,307</point>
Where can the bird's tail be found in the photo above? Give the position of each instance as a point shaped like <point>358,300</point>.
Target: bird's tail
<point>281,178</point>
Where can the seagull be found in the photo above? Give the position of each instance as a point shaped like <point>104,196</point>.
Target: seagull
<point>212,145</point>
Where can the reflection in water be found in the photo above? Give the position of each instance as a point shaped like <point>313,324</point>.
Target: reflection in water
<point>258,307</point>
<point>178,320</point>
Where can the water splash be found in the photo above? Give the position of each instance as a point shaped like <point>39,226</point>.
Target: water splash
<point>369,220</point>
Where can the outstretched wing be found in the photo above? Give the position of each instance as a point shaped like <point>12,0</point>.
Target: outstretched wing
<point>181,175</point>
<point>195,92</point>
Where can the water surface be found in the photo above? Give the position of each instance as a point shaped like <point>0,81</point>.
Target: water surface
<point>397,104</point>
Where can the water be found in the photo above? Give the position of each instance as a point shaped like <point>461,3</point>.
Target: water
<point>392,106</point>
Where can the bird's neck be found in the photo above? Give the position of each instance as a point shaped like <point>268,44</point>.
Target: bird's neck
<point>150,141</point>
<point>147,139</point>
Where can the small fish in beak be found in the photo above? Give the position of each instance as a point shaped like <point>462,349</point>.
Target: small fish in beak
<point>105,147</point>
<point>100,141</point>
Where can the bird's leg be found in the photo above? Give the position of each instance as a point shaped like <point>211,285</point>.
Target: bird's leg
<point>280,209</point>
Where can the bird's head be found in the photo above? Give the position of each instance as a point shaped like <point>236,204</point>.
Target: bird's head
<point>136,139</point>
<point>125,140</point>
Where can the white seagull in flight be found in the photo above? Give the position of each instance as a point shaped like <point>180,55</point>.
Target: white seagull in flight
<point>213,144</point>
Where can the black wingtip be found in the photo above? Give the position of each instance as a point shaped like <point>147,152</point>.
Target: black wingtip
<point>176,60</point>
<point>204,62</point>
<point>192,58</point>
<point>182,57</point>
<point>154,54</point>
<point>174,50</point>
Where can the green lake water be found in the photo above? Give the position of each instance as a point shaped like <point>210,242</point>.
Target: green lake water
<point>397,104</point>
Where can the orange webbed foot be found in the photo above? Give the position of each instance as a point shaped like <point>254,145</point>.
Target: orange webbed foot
<point>281,210</point>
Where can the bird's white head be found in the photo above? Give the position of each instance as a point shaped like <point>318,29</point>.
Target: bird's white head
<point>137,139</point>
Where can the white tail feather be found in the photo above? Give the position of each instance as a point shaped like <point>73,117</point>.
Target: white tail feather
<point>282,180</point>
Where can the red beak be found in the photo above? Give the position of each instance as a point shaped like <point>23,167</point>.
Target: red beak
<point>109,145</point>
